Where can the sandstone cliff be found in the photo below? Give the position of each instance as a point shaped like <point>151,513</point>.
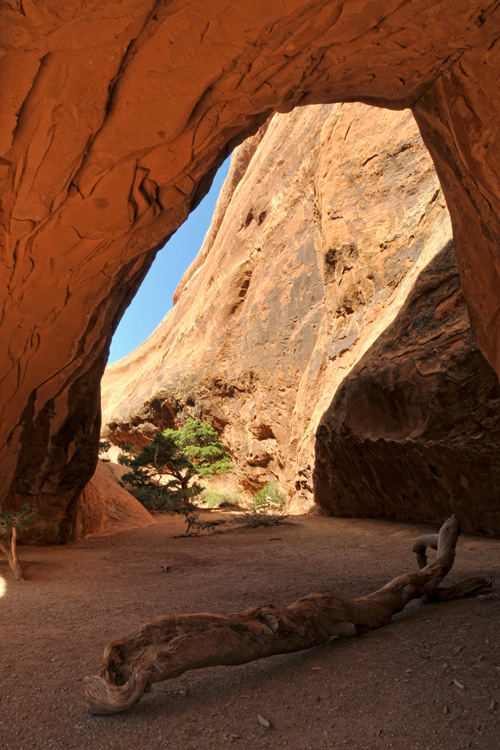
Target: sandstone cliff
<point>413,432</point>
<point>114,116</point>
<point>330,240</point>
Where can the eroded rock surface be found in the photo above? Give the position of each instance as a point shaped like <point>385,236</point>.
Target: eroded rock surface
<point>322,228</point>
<point>113,118</point>
<point>413,432</point>
<point>105,508</point>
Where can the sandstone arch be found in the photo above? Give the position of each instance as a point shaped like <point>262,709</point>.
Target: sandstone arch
<point>114,120</point>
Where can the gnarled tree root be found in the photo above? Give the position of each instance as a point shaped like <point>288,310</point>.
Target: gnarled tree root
<point>168,646</point>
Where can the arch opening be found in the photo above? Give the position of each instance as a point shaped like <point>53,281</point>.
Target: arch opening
<point>86,172</point>
<point>327,295</point>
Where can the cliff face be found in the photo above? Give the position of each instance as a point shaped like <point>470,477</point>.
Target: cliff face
<point>413,432</point>
<point>330,239</point>
<point>114,116</point>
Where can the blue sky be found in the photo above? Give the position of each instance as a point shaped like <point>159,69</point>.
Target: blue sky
<point>154,298</point>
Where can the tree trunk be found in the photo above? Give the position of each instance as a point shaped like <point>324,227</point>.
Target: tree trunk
<point>10,553</point>
<point>167,646</point>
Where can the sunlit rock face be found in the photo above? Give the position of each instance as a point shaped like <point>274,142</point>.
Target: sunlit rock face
<point>104,507</point>
<point>327,226</point>
<point>114,115</point>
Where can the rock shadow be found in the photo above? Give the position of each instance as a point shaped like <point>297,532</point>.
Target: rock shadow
<point>413,433</point>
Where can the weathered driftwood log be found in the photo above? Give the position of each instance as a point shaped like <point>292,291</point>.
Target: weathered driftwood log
<point>420,547</point>
<point>459,590</point>
<point>168,646</point>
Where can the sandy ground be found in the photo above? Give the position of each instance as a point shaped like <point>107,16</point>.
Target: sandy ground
<point>391,688</point>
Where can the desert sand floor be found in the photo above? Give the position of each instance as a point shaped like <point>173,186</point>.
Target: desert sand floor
<point>391,688</point>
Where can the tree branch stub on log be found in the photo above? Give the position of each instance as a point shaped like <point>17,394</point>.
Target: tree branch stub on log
<point>166,647</point>
<point>420,547</point>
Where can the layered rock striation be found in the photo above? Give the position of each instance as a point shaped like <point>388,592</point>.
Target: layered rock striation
<point>114,116</point>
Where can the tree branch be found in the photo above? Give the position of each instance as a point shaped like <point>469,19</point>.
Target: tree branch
<point>13,559</point>
<point>10,552</point>
<point>420,548</point>
<point>3,549</point>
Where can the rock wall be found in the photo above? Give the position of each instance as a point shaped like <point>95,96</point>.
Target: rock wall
<point>413,432</point>
<point>324,226</point>
<point>111,129</point>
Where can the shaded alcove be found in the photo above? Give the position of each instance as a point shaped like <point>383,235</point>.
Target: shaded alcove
<point>413,431</point>
<point>110,136</point>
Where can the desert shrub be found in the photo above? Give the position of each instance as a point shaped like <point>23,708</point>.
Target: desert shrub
<point>253,518</point>
<point>104,446</point>
<point>156,499</point>
<point>216,499</point>
<point>270,493</point>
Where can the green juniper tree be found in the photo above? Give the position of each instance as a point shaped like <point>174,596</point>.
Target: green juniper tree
<point>164,472</point>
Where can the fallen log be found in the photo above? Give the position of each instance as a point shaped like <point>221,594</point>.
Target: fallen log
<point>420,547</point>
<point>167,646</point>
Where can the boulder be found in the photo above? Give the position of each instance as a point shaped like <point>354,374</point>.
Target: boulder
<point>413,432</point>
<point>104,507</point>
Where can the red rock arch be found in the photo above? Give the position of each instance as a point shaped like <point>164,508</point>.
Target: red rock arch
<point>114,118</point>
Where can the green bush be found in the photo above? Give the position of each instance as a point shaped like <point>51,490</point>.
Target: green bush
<point>270,493</point>
<point>156,499</point>
<point>215,499</point>
<point>104,446</point>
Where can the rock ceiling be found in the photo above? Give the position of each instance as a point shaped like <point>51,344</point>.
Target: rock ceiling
<point>114,116</point>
